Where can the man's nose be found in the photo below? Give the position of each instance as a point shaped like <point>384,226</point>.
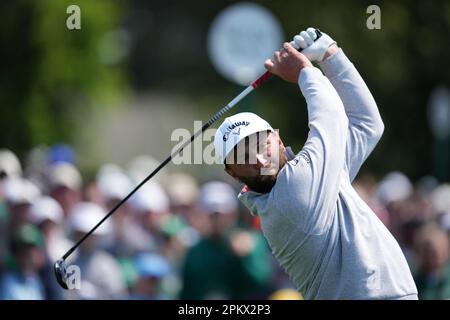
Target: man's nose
<point>261,161</point>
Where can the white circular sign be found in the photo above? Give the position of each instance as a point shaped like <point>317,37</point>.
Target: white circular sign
<point>241,38</point>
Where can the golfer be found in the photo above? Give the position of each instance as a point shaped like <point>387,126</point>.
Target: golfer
<point>327,239</point>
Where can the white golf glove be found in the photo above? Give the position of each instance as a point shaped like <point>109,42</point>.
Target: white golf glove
<point>313,50</point>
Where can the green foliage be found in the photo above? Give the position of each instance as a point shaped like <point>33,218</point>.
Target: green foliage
<point>52,74</point>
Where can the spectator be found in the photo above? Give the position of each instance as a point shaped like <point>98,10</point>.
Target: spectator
<point>394,192</point>
<point>19,194</point>
<point>440,199</point>
<point>433,253</point>
<point>127,237</point>
<point>47,214</point>
<point>151,268</point>
<point>228,262</point>
<point>22,280</point>
<point>101,275</point>
<point>365,185</point>
<point>152,208</point>
<point>140,167</point>
<point>65,185</point>
<point>183,191</point>
<point>9,164</point>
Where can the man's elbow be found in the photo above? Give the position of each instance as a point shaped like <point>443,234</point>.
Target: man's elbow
<point>377,130</point>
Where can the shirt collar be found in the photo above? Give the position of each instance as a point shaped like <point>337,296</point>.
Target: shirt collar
<point>289,153</point>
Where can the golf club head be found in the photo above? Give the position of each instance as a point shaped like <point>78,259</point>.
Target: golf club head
<point>61,273</point>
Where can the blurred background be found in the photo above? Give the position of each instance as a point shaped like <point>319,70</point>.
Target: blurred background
<point>87,113</point>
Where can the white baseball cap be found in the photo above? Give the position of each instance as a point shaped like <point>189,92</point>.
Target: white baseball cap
<point>217,196</point>
<point>395,186</point>
<point>64,174</point>
<point>234,129</point>
<point>112,182</point>
<point>20,190</point>
<point>151,197</point>
<point>182,189</point>
<point>46,208</point>
<point>140,167</point>
<point>9,163</point>
<point>440,198</point>
<point>85,215</point>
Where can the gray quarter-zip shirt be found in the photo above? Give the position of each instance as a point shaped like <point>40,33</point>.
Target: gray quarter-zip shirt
<point>323,234</point>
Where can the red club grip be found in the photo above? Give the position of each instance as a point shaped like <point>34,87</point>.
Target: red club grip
<point>261,80</point>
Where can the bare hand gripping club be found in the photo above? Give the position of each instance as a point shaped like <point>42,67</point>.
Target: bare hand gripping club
<point>60,268</point>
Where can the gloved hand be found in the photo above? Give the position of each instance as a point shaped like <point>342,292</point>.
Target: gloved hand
<point>313,50</point>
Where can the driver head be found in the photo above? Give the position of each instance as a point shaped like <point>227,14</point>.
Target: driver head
<point>61,273</point>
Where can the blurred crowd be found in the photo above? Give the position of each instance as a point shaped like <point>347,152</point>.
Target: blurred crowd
<point>176,238</point>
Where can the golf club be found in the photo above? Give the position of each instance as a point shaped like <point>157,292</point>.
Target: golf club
<point>60,265</point>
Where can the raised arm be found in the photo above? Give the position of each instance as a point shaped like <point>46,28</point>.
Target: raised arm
<point>317,178</point>
<point>365,124</point>
<point>324,150</point>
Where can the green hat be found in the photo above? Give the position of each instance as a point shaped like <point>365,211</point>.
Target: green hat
<point>27,235</point>
<point>173,225</point>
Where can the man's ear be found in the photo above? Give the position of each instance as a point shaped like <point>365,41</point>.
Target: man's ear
<point>277,135</point>
<point>280,142</point>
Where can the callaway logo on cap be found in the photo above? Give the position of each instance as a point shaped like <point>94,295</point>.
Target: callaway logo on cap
<point>234,129</point>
